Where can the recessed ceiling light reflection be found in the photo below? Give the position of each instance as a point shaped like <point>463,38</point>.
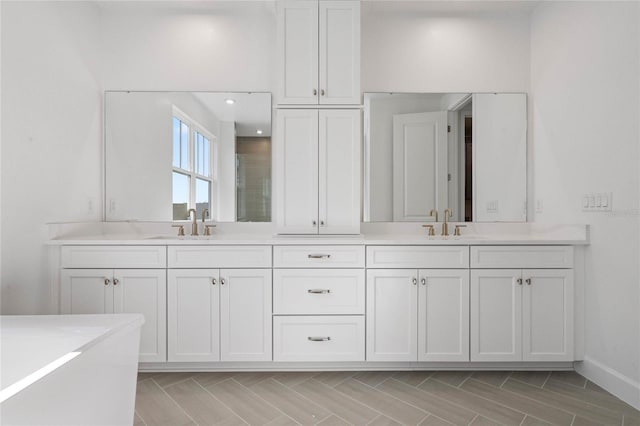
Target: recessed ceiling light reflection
<point>230,101</point>
<point>259,131</point>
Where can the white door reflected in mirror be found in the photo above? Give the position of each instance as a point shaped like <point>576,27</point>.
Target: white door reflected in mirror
<point>462,151</point>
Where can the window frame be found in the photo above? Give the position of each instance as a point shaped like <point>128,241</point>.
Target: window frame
<point>191,173</point>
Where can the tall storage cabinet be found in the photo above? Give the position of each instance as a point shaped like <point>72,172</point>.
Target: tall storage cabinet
<point>318,171</point>
<point>319,52</point>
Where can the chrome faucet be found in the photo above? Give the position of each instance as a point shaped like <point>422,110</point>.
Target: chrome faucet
<point>194,222</point>
<point>445,225</point>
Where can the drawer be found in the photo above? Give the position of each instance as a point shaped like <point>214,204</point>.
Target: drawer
<point>318,338</point>
<point>451,257</point>
<point>522,257</point>
<point>113,257</point>
<point>318,256</point>
<point>219,257</point>
<point>318,291</point>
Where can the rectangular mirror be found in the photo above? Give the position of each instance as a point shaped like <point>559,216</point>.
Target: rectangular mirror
<point>462,151</point>
<point>168,152</point>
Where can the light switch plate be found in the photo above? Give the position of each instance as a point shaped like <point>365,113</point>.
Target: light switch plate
<point>597,202</point>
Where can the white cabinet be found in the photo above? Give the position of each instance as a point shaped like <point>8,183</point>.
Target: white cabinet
<point>318,52</point>
<point>318,172</point>
<point>318,338</point>
<point>245,315</point>
<point>193,315</point>
<point>522,315</point>
<point>392,315</point>
<point>219,314</point>
<point>103,291</point>
<point>417,315</point>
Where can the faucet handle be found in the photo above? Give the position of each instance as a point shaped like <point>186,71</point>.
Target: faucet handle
<point>180,230</point>
<point>456,232</point>
<point>207,229</point>
<point>430,230</point>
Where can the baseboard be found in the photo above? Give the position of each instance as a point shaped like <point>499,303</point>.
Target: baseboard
<point>611,380</point>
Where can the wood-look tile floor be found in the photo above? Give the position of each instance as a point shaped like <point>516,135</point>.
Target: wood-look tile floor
<point>378,398</point>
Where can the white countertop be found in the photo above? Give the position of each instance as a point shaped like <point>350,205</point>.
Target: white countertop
<point>136,233</point>
<point>33,346</point>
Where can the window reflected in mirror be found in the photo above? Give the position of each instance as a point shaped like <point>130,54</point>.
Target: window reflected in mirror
<point>169,152</point>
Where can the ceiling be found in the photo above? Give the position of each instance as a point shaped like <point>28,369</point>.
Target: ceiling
<point>250,111</point>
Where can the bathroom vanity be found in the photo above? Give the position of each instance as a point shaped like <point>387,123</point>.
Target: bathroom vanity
<point>403,300</point>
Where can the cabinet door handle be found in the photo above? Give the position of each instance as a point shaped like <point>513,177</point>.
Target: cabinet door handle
<point>314,223</point>
<point>222,281</point>
<point>321,92</point>
<point>414,281</point>
<point>318,291</point>
<point>319,339</point>
<point>315,92</point>
<point>322,223</point>
<point>519,281</point>
<point>319,256</point>
<point>116,281</point>
<point>528,281</point>
<point>107,281</point>
<point>213,281</point>
<point>423,281</point>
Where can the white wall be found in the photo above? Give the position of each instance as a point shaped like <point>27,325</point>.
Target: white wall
<point>423,47</point>
<point>51,137</point>
<point>202,46</point>
<point>585,96</point>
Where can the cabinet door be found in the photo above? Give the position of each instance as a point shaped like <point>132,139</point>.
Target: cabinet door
<point>339,52</point>
<point>86,291</point>
<point>298,52</point>
<point>496,315</point>
<point>392,315</point>
<point>245,315</point>
<point>547,315</point>
<point>193,315</point>
<point>443,315</point>
<point>339,171</point>
<point>297,172</point>
<point>144,291</point>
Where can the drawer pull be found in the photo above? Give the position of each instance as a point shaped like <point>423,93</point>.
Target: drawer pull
<point>319,256</point>
<point>115,281</point>
<point>519,281</point>
<point>213,281</point>
<point>528,281</point>
<point>222,281</point>
<point>318,291</point>
<point>107,281</point>
<point>319,339</point>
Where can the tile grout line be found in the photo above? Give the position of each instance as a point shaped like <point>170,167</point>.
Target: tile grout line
<point>505,380</point>
<point>546,380</point>
<point>474,419</point>
<point>221,402</point>
<point>570,396</point>
<point>555,393</point>
<point>346,396</point>
<point>175,402</point>
<point>262,399</point>
<point>176,383</point>
<point>390,396</point>
<point>486,399</point>
<point>135,413</point>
